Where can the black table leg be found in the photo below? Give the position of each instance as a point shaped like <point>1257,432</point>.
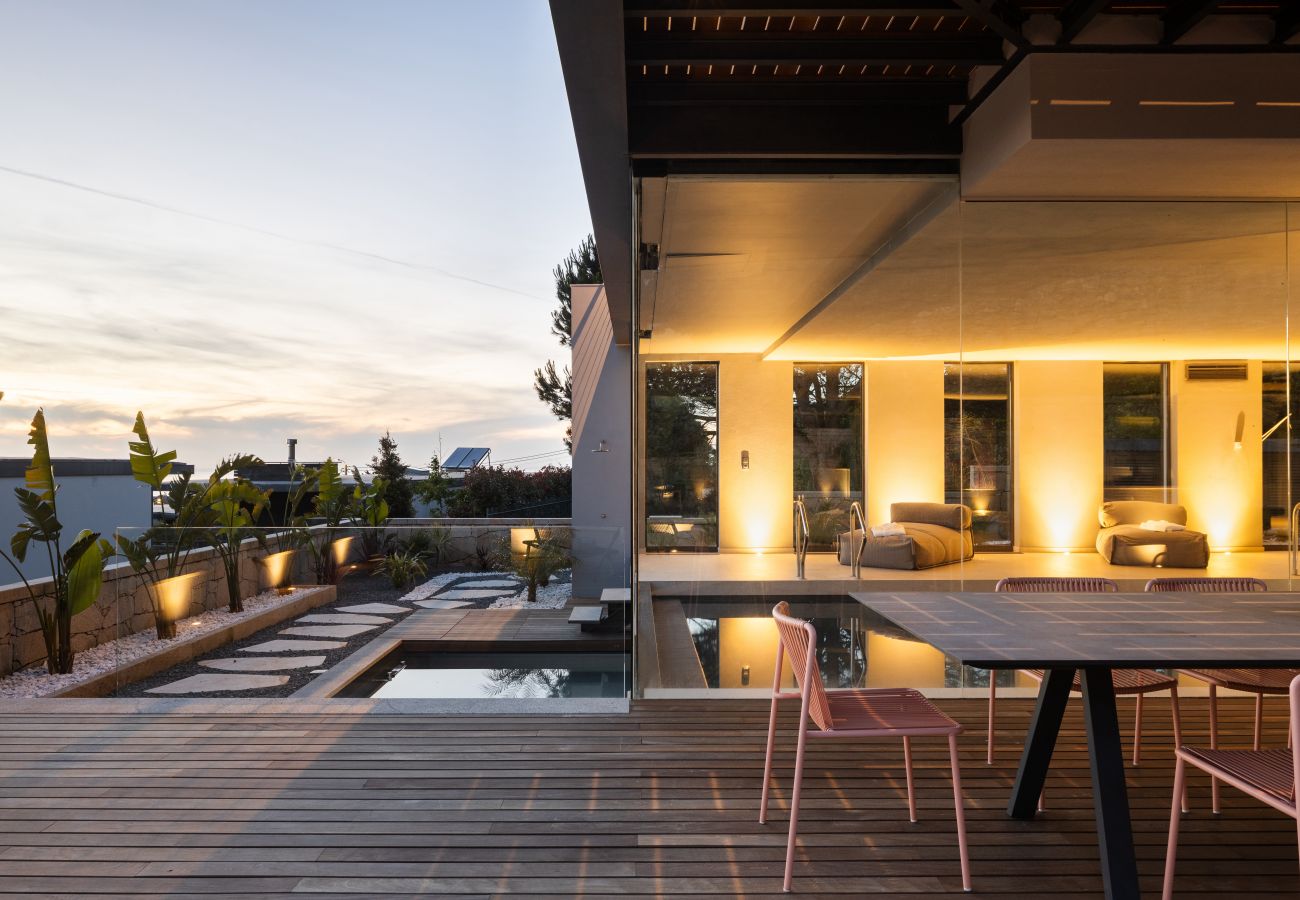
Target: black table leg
<point>1053,694</point>
<point>1109,791</point>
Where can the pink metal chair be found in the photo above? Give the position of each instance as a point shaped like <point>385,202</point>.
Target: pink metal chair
<point>1269,776</point>
<point>1127,681</point>
<point>1260,682</point>
<point>854,713</point>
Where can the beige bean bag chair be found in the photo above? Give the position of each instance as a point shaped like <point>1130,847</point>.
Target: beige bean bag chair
<point>1123,542</point>
<point>935,534</point>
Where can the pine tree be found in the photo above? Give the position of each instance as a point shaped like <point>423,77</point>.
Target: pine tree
<point>581,266</point>
<point>388,465</point>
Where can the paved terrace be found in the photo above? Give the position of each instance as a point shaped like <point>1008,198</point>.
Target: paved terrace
<point>272,798</point>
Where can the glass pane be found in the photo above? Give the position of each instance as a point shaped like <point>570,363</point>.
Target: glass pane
<point>681,446</point>
<point>1277,465</point>
<point>1135,431</point>
<point>977,448</point>
<point>827,447</point>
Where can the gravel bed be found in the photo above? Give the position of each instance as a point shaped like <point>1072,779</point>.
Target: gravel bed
<point>35,681</point>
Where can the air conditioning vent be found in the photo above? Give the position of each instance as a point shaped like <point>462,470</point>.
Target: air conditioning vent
<point>1217,370</point>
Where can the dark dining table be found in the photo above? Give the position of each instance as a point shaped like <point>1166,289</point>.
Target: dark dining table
<point>1092,634</point>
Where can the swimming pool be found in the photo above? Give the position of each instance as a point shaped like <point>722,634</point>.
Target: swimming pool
<point>441,675</point>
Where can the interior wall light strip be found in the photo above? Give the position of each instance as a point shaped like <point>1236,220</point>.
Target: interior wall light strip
<point>1187,103</point>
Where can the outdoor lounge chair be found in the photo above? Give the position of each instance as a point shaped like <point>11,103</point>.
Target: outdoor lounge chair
<point>934,534</point>
<point>1127,681</point>
<point>1270,776</point>
<point>1122,541</point>
<point>853,713</point>
<point>1260,682</point>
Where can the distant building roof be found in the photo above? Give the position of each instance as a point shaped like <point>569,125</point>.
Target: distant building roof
<point>75,466</point>
<point>465,458</point>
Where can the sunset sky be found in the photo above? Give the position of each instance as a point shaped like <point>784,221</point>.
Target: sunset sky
<point>261,220</point>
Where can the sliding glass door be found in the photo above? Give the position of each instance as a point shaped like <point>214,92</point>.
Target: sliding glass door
<point>828,444</point>
<point>977,449</point>
<point>681,451</point>
<point>1135,432</point>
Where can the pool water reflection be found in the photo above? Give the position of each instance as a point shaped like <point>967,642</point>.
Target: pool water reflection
<point>735,640</point>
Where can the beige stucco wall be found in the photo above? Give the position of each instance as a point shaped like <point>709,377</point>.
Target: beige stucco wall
<point>1219,484</point>
<point>1057,436</point>
<point>904,434</point>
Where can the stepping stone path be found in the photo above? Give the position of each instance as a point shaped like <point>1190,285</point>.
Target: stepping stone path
<point>375,608</point>
<point>263,663</point>
<point>205,684</point>
<point>343,619</point>
<point>329,631</point>
<point>294,646</point>
<point>296,649</point>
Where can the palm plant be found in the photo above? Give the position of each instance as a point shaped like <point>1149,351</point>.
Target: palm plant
<point>234,506</point>
<point>370,506</point>
<point>542,558</point>
<point>332,505</point>
<point>77,573</point>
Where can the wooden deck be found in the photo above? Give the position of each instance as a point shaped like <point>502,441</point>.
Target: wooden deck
<point>289,798</point>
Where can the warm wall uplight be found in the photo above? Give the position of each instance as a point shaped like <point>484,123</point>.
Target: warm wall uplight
<point>175,595</point>
<point>519,538</point>
<point>275,570</point>
<point>340,550</point>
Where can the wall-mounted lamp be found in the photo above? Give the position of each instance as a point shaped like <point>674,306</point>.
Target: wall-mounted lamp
<point>744,459</point>
<point>602,447</point>
<point>1241,430</point>
<point>744,676</point>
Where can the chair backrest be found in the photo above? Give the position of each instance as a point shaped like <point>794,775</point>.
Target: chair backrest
<point>1135,512</point>
<point>1206,585</point>
<point>798,639</point>
<point>1056,585</point>
<point>956,516</point>
<point>1295,736</point>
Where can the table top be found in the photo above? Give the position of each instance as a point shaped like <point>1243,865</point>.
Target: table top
<point>1138,630</point>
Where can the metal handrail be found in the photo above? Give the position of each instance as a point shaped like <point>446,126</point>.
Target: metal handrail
<point>855,511</point>
<point>1293,539</point>
<point>800,537</point>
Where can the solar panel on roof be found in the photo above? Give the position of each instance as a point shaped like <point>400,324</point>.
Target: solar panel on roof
<point>466,457</point>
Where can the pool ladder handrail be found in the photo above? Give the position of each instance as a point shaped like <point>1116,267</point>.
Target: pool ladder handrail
<point>1293,539</point>
<point>800,537</point>
<point>855,512</point>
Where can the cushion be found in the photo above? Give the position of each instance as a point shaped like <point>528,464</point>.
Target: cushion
<point>1135,512</point>
<point>1130,545</point>
<point>948,515</point>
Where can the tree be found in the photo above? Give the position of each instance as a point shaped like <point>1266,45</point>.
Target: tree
<point>581,266</point>
<point>388,465</point>
<point>434,489</point>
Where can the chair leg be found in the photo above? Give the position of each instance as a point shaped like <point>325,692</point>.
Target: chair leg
<point>911,784</point>
<point>1214,745</point>
<point>1259,719</point>
<point>1171,852</point>
<point>1177,714</point>
<point>767,764</point>
<point>963,850</point>
<point>993,705</point>
<point>1137,731</point>
<point>794,803</point>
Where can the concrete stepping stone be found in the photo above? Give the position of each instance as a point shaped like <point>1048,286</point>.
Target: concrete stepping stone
<point>490,584</point>
<point>343,619</point>
<point>442,604</point>
<point>380,608</point>
<point>329,631</point>
<point>262,663</point>
<point>278,646</point>
<point>462,594</point>
<point>211,682</point>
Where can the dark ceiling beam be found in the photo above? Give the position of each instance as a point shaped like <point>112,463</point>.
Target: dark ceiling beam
<point>1286,24</point>
<point>998,18</point>
<point>780,132</point>
<point>811,52</point>
<point>589,36</point>
<point>1183,16</point>
<point>659,8</point>
<point>1076,16</point>
<point>778,92</point>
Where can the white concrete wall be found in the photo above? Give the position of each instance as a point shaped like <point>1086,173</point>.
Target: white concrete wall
<point>904,433</point>
<point>602,481</point>
<point>1056,422</point>
<point>100,503</point>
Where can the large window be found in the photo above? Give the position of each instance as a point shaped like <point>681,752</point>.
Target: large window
<point>827,446</point>
<point>1135,431</point>
<point>1277,469</point>
<point>681,446</point>
<point>977,448</point>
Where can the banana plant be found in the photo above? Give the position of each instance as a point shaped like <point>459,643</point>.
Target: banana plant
<point>371,508</point>
<point>235,506</point>
<point>330,508</point>
<point>76,574</point>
